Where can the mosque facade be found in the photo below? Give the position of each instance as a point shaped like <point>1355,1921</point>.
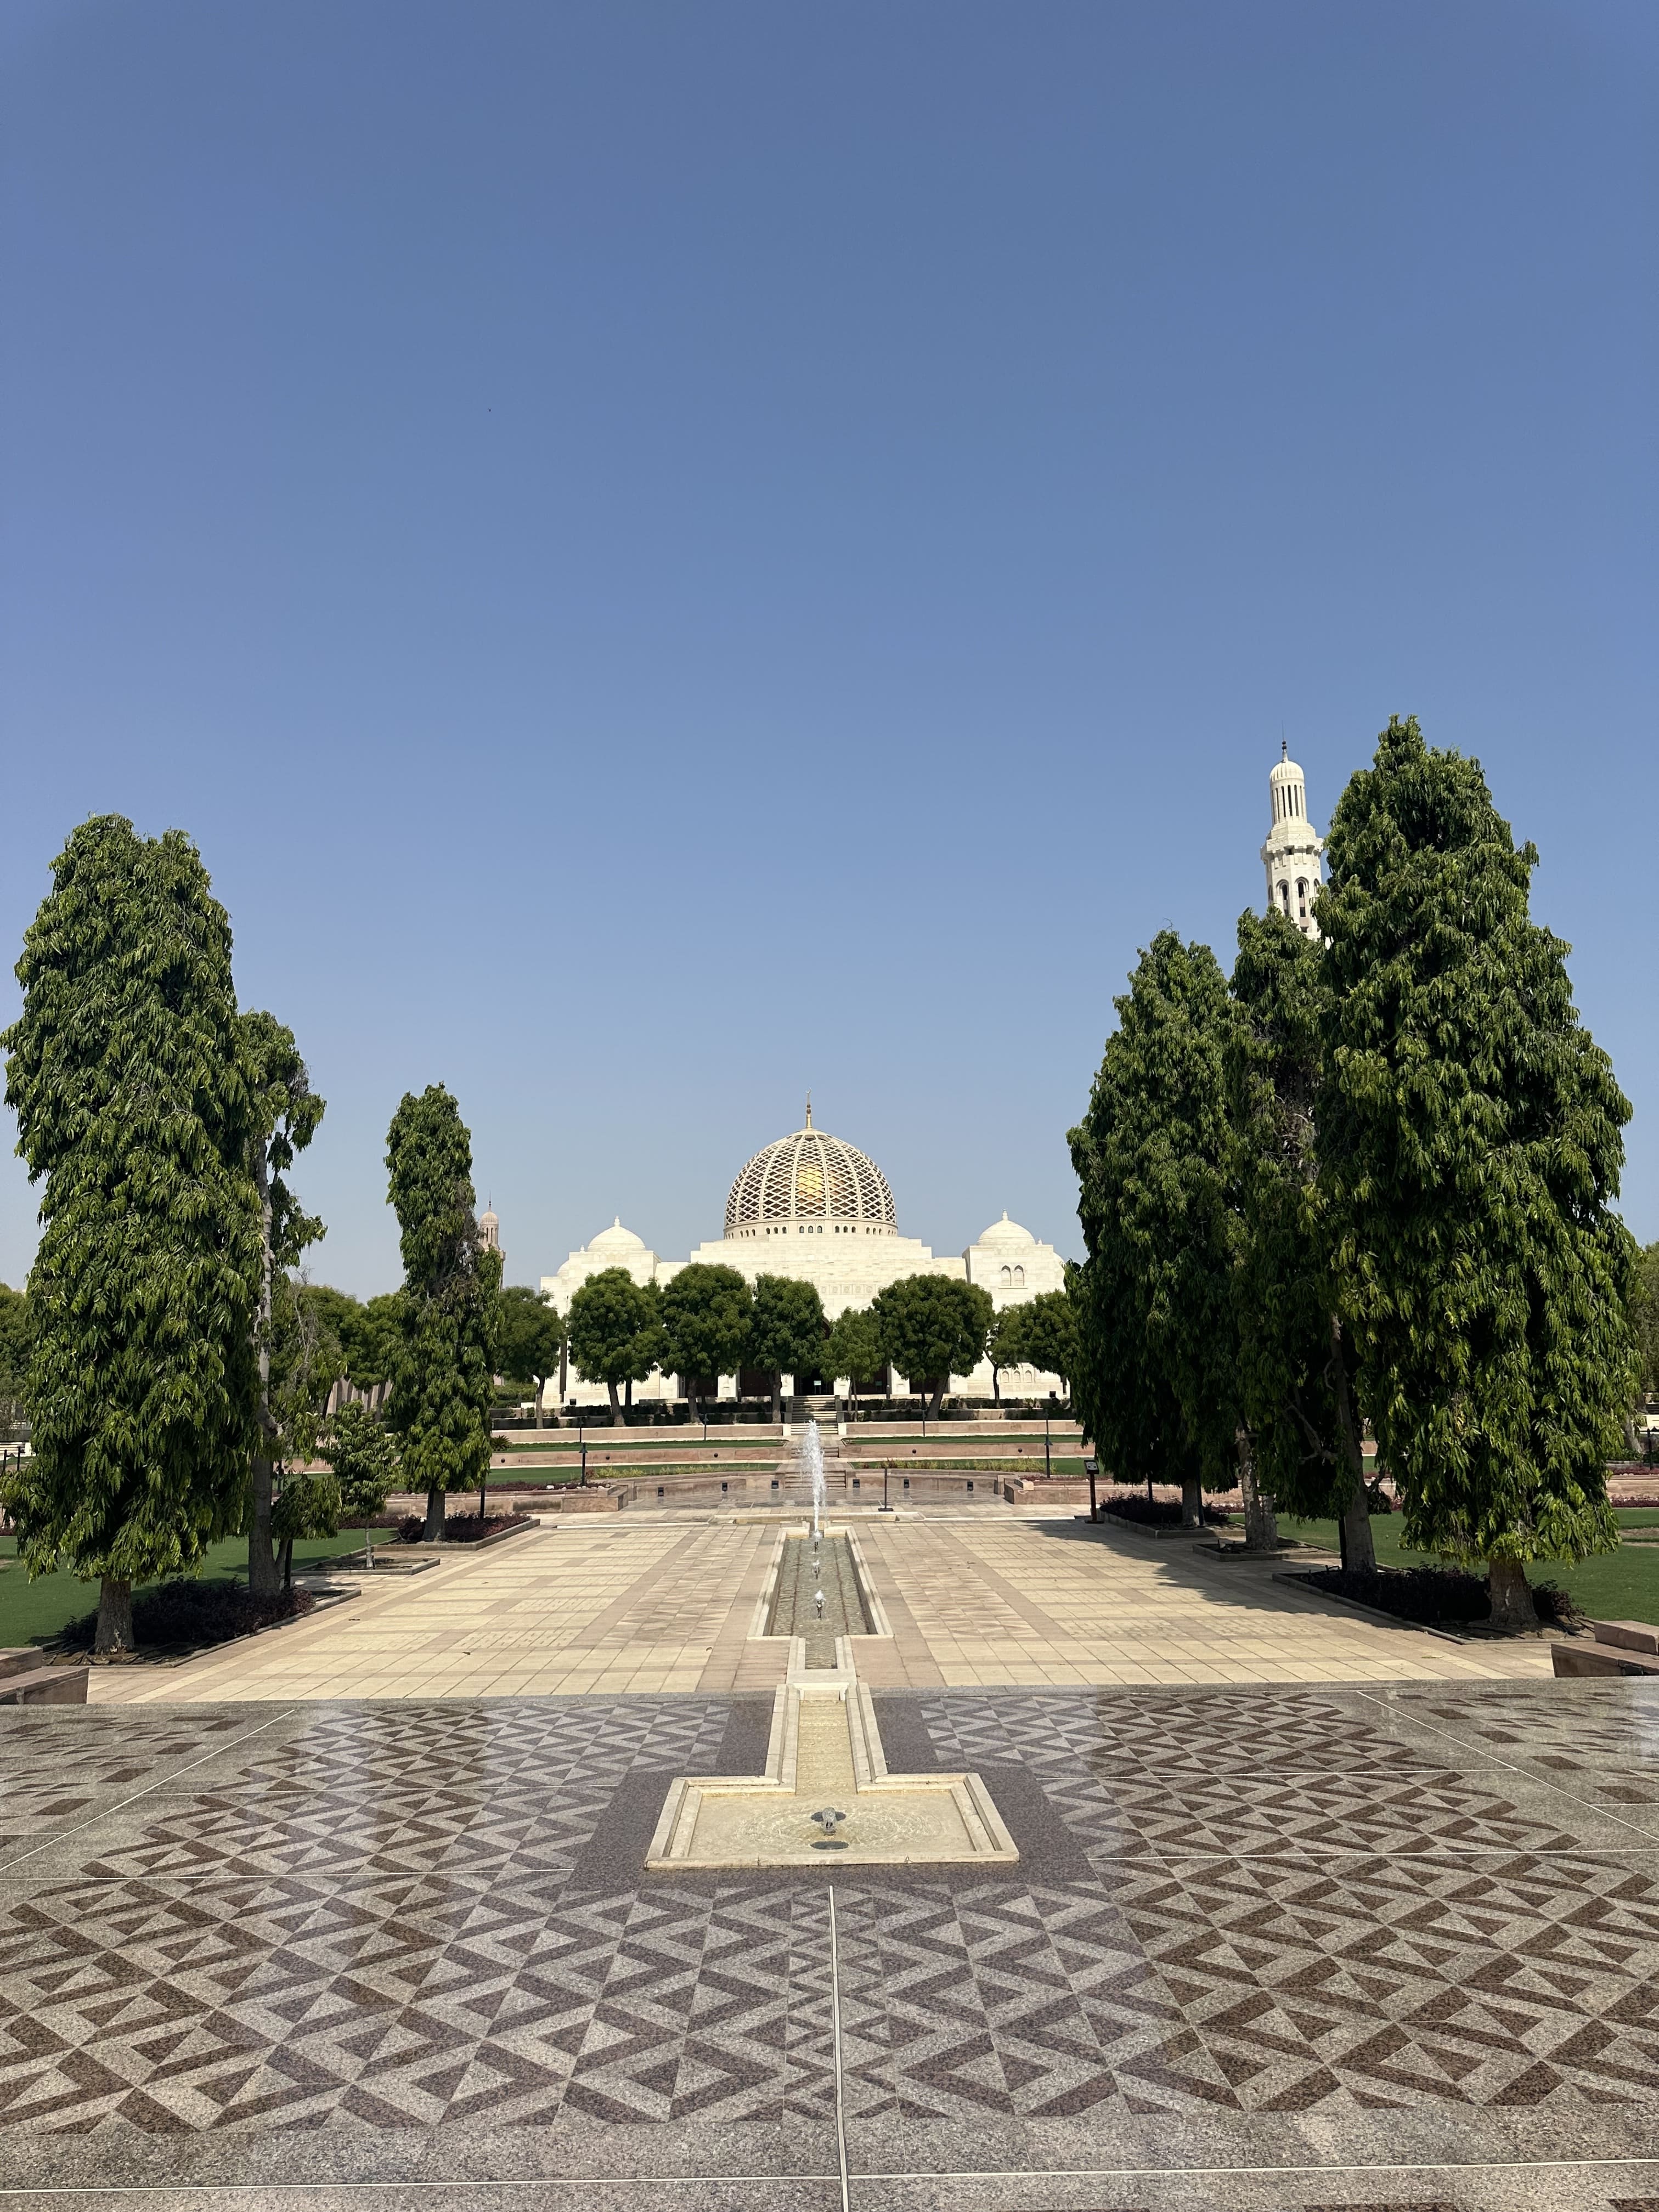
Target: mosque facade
<point>813,1207</point>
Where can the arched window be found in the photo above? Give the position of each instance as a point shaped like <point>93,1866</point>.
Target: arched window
<point>1019,1275</point>
<point>1007,1275</point>
<point>1302,897</point>
<point>1285,896</point>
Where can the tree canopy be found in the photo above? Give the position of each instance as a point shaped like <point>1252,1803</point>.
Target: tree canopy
<point>444,1358</point>
<point>931,1328</point>
<point>1469,1139</point>
<point>1154,1296</point>
<point>1294,1361</point>
<point>531,1339</point>
<point>705,1318</point>
<point>13,1351</point>
<point>853,1349</point>
<point>615,1332</point>
<point>126,1073</point>
<point>787,1330</point>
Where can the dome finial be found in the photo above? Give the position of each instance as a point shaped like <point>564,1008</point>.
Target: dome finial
<point>1284,748</point>
<point>809,1109</point>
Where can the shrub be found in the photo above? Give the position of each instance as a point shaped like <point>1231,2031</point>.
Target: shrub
<point>193,1614</point>
<point>1156,1512</point>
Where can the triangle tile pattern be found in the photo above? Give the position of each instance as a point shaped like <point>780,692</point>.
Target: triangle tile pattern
<point>394,1918</point>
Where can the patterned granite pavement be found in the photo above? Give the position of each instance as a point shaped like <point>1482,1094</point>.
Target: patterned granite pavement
<point>1276,1946</point>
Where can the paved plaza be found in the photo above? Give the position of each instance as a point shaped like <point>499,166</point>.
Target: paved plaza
<point>624,1605</point>
<point>357,1915</point>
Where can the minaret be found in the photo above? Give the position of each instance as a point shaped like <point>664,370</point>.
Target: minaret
<point>1290,855</point>
<point>490,1232</point>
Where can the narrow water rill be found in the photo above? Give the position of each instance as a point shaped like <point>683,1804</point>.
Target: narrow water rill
<point>826,1798</point>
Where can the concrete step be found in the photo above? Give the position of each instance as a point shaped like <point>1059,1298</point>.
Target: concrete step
<point>39,1684</point>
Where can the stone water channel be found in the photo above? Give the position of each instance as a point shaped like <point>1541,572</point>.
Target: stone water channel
<point>826,1796</point>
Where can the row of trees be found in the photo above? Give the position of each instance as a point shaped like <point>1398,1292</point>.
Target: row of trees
<point>1370,1178</point>
<point>170,1363</point>
<point>706,1322</point>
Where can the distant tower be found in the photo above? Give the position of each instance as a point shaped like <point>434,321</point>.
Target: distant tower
<point>490,1232</point>
<point>1290,855</point>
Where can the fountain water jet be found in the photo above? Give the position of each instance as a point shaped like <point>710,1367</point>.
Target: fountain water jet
<point>812,1462</point>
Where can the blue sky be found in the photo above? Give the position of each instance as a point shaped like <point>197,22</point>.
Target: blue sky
<point>667,556</point>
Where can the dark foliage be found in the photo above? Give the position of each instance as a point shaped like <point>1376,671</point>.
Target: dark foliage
<point>192,1614</point>
<point>1156,1512</point>
<point>459,1527</point>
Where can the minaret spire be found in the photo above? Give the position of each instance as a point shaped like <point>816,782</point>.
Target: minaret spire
<point>809,1109</point>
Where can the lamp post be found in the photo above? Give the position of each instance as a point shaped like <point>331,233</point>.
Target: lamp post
<point>581,1444</point>
<point>1048,1465</point>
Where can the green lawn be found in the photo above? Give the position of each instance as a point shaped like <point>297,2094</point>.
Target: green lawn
<point>31,1612</point>
<point>1621,1585</point>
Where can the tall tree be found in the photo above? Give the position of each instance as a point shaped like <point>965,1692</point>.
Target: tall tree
<point>787,1331</point>
<point>444,1360</point>
<point>1299,1439</point>
<point>705,1318</point>
<point>1151,1157</point>
<point>1469,1141</point>
<point>615,1332</point>
<point>931,1328</point>
<point>852,1348</point>
<point>1645,1322</point>
<point>532,1339</point>
<point>132,1101</point>
<point>287,1111</point>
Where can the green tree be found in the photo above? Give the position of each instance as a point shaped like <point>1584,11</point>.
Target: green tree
<point>705,1318</point>
<point>1005,1345</point>
<point>1300,1440</point>
<point>13,1352</point>
<point>1155,1297</point>
<point>128,1081</point>
<point>532,1339</point>
<point>309,1505</point>
<point>1047,1334</point>
<point>615,1332</point>
<point>363,1455</point>
<point>288,1112</point>
<point>443,1360</point>
<point>1468,1132</point>
<point>787,1331</point>
<point>931,1328</point>
<point>852,1348</point>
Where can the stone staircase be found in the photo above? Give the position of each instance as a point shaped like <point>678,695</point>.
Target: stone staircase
<point>29,1678</point>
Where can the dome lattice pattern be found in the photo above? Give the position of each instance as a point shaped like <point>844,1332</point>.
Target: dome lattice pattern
<point>809,1177</point>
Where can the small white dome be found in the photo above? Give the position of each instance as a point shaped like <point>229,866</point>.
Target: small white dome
<point>616,1239</point>
<point>1006,1235</point>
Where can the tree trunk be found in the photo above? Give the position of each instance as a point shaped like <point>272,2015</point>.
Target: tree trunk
<point>1192,1502</point>
<point>1261,1521</point>
<point>434,1531</point>
<point>938,1397</point>
<point>1512,1609</point>
<point>288,1563</point>
<point>114,1631</point>
<point>996,1384</point>
<point>1358,1552</point>
<point>262,1578</point>
<point>616,1406</point>
<point>540,1382</point>
<point>777,1395</point>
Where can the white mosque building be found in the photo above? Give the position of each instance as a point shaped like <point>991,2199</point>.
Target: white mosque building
<point>813,1206</point>
<point>816,1208</point>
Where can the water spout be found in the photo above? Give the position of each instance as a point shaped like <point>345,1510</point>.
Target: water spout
<point>812,1461</point>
